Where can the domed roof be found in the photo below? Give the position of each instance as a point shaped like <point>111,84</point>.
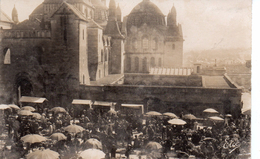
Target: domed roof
<point>38,10</point>
<point>145,12</point>
<point>146,7</point>
<point>53,1</point>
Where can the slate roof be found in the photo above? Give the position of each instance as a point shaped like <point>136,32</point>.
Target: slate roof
<point>214,82</point>
<point>28,25</point>
<point>112,29</point>
<point>93,24</point>
<point>73,9</point>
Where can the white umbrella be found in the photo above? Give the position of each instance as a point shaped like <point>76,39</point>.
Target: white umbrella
<point>4,106</point>
<point>210,110</point>
<point>92,154</point>
<point>14,106</point>
<point>43,154</point>
<point>216,118</point>
<point>177,122</point>
<point>153,113</point>
<point>172,115</point>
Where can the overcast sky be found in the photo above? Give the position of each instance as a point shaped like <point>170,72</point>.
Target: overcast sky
<point>207,24</point>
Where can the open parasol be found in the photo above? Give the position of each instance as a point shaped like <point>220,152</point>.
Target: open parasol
<point>153,145</point>
<point>210,110</point>
<point>4,106</point>
<point>33,138</point>
<point>14,106</point>
<point>74,129</point>
<point>24,112</point>
<point>153,113</point>
<point>228,115</point>
<point>43,154</point>
<point>92,154</point>
<point>58,110</point>
<point>58,136</point>
<point>36,115</point>
<point>189,117</point>
<point>171,115</point>
<point>92,143</point>
<point>177,122</point>
<point>29,108</point>
<point>216,118</point>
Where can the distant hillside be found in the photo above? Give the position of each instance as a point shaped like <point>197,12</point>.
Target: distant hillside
<point>221,57</point>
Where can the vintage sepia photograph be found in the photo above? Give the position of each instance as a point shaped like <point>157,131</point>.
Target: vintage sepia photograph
<point>125,79</point>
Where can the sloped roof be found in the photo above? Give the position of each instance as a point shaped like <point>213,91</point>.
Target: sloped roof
<point>28,25</point>
<point>73,9</point>
<point>4,17</point>
<point>215,82</point>
<point>93,24</point>
<point>112,29</point>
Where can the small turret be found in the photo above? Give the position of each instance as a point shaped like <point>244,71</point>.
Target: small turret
<point>112,10</point>
<point>118,14</point>
<point>171,18</point>
<point>15,15</point>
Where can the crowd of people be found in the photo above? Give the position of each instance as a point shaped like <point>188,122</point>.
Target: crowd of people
<point>127,134</point>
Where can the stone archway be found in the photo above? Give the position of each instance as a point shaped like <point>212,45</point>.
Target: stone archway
<point>23,86</point>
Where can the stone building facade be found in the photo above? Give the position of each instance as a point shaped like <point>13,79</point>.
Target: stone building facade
<point>150,41</point>
<point>63,44</point>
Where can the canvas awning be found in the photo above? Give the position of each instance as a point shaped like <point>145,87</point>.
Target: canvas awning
<point>32,99</point>
<point>102,103</point>
<point>134,106</point>
<point>81,101</point>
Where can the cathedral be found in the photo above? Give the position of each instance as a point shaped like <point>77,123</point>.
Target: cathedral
<point>66,44</point>
<point>150,41</point>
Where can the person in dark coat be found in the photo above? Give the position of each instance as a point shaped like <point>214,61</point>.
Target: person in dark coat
<point>137,143</point>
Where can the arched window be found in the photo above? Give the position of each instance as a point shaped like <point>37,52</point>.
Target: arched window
<point>152,62</point>
<point>136,64</point>
<point>160,62</point>
<point>99,73</point>
<point>134,43</point>
<point>145,64</point>
<point>7,56</point>
<point>145,43</point>
<point>102,55</point>
<point>128,64</point>
<point>83,79</point>
<point>155,44</point>
<point>173,46</point>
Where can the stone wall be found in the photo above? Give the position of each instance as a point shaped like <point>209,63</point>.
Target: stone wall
<point>165,98</point>
<point>162,80</point>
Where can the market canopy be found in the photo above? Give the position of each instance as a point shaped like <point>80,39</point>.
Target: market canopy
<point>134,106</point>
<point>28,99</point>
<point>81,101</point>
<point>101,103</point>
